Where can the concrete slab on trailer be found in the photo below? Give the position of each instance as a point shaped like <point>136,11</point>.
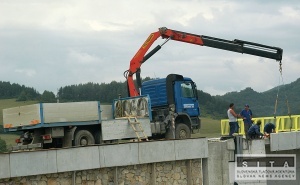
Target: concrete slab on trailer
<point>120,128</point>
<point>70,112</point>
<point>22,115</point>
<point>49,113</point>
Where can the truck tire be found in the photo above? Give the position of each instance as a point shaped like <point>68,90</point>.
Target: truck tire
<point>182,131</point>
<point>83,138</point>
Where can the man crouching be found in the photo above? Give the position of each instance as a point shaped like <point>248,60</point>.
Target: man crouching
<point>254,131</point>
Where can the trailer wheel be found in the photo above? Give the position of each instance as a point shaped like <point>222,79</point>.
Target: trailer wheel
<point>83,138</point>
<point>182,131</point>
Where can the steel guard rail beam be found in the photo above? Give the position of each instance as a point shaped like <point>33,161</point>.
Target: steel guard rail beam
<point>283,124</point>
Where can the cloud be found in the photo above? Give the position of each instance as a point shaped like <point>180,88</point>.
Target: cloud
<point>26,72</point>
<point>49,44</point>
<point>81,57</point>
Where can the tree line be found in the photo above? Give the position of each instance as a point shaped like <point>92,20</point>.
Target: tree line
<point>262,104</point>
<point>23,93</point>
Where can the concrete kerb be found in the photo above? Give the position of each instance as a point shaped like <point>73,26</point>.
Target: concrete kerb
<point>182,149</point>
<point>4,166</point>
<point>21,164</point>
<point>150,152</point>
<point>81,158</point>
<point>119,155</point>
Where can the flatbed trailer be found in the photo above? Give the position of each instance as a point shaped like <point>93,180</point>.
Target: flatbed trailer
<point>76,123</point>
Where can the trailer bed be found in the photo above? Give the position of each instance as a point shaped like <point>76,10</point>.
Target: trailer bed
<point>58,114</point>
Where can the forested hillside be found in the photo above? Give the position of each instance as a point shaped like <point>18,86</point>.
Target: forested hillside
<point>22,93</point>
<point>263,104</point>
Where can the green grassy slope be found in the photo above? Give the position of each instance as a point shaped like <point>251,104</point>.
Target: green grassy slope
<point>9,139</point>
<point>209,128</point>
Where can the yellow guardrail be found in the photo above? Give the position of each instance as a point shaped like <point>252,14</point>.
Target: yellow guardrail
<point>283,124</point>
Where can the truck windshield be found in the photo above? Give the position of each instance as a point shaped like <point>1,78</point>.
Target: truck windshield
<point>187,90</point>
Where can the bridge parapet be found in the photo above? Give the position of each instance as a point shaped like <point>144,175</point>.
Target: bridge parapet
<point>92,157</point>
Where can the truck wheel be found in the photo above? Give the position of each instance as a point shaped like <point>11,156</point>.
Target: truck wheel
<point>83,138</point>
<point>182,131</point>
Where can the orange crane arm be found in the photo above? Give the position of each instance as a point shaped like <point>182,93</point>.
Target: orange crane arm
<point>234,46</point>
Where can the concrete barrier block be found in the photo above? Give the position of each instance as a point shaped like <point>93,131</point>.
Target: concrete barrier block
<point>231,172</point>
<point>267,141</point>
<point>256,146</point>
<point>231,156</point>
<point>119,155</point>
<point>245,144</point>
<point>287,141</point>
<point>225,163</point>
<point>215,163</point>
<point>81,158</point>
<point>156,151</point>
<point>230,144</point>
<point>33,163</point>
<point>191,149</point>
<point>297,140</point>
<point>274,142</point>
<point>4,166</point>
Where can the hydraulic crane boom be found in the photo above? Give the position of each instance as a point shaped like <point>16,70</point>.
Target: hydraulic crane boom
<point>236,45</point>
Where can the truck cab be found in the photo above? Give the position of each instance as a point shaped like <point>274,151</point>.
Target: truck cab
<point>173,97</point>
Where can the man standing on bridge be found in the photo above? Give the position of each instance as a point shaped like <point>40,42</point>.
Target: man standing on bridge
<point>246,114</point>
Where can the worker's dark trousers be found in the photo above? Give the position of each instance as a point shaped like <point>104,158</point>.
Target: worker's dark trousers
<point>246,126</point>
<point>234,127</point>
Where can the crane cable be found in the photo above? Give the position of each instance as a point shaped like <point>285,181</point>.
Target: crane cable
<point>286,98</point>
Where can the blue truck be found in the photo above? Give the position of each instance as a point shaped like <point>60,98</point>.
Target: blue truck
<point>174,105</point>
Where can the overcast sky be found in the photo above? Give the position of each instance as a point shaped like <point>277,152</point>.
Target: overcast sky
<point>50,44</point>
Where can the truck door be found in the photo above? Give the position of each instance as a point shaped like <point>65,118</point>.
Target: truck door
<point>186,98</point>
